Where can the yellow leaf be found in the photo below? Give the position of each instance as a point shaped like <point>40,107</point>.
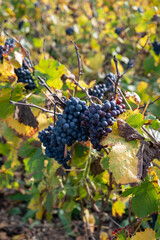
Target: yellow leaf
<point>142,86</point>
<point>83,84</point>
<point>44,122</point>
<point>133,97</point>
<point>19,237</point>
<point>148,234</point>
<point>35,204</point>
<point>118,208</point>
<point>14,62</point>
<point>92,83</point>
<point>20,128</point>
<point>7,71</point>
<point>89,218</point>
<point>114,67</point>
<point>103,236</point>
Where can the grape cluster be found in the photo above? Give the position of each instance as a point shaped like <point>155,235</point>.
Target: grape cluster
<point>52,148</point>
<point>24,75</point>
<point>2,52</point>
<point>10,43</point>
<point>8,46</point>
<point>98,91</point>
<point>110,86</point>
<point>156,47</point>
<point>67,130</point>
<point>97,120</point>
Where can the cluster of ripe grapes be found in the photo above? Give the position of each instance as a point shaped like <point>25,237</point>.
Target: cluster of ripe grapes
<point>97,119</point>
<point>7,48</point>
<point>67,130</point>
<point>100,89</point>
<point>78,122</point>
<point>23,73</point>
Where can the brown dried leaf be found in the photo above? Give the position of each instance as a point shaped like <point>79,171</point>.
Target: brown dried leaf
<point>147,152</point>
<point>96,166</point>
<point>24,115</point>
<point>128,132</point>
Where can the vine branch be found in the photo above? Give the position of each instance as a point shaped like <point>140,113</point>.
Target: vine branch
<point>55,96</point>
<point>31,105</point>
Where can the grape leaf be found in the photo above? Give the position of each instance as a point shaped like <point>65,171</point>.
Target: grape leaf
<point>145,200</point>
<point>118,208</point>
<point>148,234</point>
<point>123,161</point>
<point>136,120</point>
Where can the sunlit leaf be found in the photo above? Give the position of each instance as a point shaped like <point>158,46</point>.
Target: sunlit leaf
<point>148,234</point>
<point>118,208</point>
<point>123,161</point>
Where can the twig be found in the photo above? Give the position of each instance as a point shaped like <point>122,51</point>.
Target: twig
<point>103,206</point>
<point>121,93</point>
<point>55,96</point>
<point>149,103</point>
<point>82,88</point>
<point>79,60</point>
<point>79,64</point>
<point>146,131</point>
<point>117,224</point>
<point>124,98</point>
<point>154,164</point>
<point>51,101</point>
<point>31,105</point>
<point>44,48</point>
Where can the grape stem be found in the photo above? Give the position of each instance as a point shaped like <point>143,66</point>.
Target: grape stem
<point>150,103</point>
<point>55,96</point>
<point>32,105</point>
<point>80,73</point>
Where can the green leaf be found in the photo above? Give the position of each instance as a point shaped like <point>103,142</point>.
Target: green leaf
<point>4,148</point>
<point>54,70</point>
<point>105,162</point>
<point>157,226</point>
<point>49,201</point>
<point>65,220</point>
<point>136,120</point>
<point>145,200</point>
<point>155,124</point>
<point>6,107</point>
<point>80,155</point>
<point>35,163</point>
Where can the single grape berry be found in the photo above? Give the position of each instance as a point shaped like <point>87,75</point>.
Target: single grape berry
<point>70,31</point>
<point>118,30</point>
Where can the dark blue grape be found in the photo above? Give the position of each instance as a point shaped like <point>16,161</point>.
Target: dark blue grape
<point>70,31</point>
<point>156,47</point>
